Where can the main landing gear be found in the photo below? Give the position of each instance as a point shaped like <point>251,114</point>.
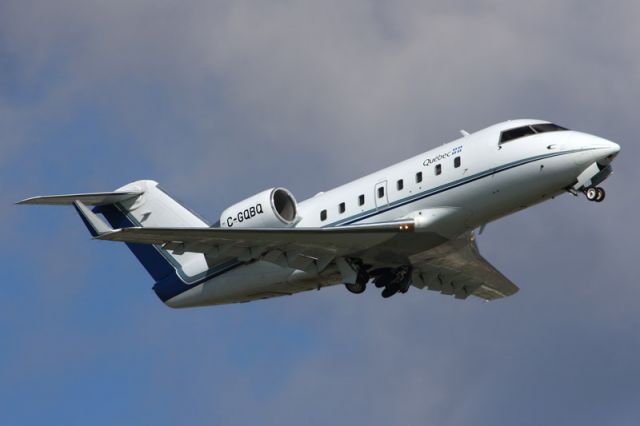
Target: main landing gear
<point>361,282</point>
<point>595,193</point>
<point>394,280</point>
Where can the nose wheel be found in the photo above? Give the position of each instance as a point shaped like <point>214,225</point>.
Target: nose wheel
<point>595,193</point>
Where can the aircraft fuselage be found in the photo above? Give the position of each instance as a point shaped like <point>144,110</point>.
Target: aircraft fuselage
<point>458,186</point>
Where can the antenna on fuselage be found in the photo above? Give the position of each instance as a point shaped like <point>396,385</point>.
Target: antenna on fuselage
<point>464,133</point>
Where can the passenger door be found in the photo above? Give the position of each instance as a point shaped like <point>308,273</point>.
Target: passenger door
<point>380,194</point>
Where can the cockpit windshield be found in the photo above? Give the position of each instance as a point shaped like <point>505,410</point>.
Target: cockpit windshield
<point>533,129</point>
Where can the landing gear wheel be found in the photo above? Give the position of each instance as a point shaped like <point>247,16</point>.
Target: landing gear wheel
<point>356,288</point>
<point>591,193</point>
<point>389,291</point>
<point>600,195</point>
<point>383,278</point>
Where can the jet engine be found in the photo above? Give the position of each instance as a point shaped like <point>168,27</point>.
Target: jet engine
<point>273,208</point>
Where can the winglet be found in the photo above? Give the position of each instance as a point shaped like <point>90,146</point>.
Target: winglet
<point>93,223</point>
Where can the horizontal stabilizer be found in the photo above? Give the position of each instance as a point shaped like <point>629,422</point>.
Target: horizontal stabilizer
<point>91,199</point>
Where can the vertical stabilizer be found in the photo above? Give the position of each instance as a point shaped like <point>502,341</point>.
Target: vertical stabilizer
<point>155,208</point>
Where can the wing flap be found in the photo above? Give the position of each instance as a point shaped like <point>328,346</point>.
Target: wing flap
<point>458,269</point>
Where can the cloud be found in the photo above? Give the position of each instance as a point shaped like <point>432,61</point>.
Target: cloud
<point>242,80</point>
<point>220,99</point>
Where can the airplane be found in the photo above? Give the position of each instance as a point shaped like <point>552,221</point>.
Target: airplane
<point>411,224</point>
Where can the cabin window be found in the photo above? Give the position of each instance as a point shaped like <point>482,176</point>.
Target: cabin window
<point>361,200</point>
<point>323,215</point>
<point>380,191</point>
<point>456,162</point>
<point>418,177</point>
<point>438,169</point>
<point>341,207</point>
<point>400,185</point>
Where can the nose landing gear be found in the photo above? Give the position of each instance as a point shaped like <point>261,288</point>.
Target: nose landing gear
<point>595,193</point>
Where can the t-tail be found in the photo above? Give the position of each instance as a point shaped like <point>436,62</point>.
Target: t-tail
<point>142,204</point>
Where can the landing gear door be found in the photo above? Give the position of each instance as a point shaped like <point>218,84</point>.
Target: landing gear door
<point>380,194</point>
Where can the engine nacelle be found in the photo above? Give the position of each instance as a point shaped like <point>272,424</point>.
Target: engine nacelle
<point>273,208</point>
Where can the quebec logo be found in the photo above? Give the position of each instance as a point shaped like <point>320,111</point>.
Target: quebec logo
<point>440,157</point>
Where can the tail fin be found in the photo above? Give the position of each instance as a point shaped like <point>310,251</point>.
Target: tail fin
<point>153,207</point>
<point>145,204</point>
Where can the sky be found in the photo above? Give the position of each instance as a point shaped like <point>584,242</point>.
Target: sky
<point>218,100</point>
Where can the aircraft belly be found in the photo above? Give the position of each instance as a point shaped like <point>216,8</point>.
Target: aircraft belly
<point>235,286</point>
<point>254,281</point>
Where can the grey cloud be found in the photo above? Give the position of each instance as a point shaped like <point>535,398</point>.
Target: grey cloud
<point>327,78</point>
<point>309,94</point>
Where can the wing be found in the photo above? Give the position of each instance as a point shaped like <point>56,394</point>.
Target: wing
<point>301,248</point>
<point>454,267</point>
<point>316,246</point>
<point>457,268</point>
<point>201,240</point>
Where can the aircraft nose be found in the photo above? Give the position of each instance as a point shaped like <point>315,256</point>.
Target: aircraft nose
<point>599,147</point>
<point>613,148</point>
<point>594,149</point>
<point>607,150</point>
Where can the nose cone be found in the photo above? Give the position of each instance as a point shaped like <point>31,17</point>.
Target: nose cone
<point>607,151</point>
<point>594,149</point>
<point>613,148</point>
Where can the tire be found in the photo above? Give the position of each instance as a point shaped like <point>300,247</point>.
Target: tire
<point>600,195</point>
<point>389,291</point>
<point>356,288</point>
<point>591,193</point>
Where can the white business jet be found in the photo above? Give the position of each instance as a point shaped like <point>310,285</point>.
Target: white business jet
<point>411,224</point>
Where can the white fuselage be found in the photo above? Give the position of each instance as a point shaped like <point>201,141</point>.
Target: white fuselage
<point>474,176</point>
